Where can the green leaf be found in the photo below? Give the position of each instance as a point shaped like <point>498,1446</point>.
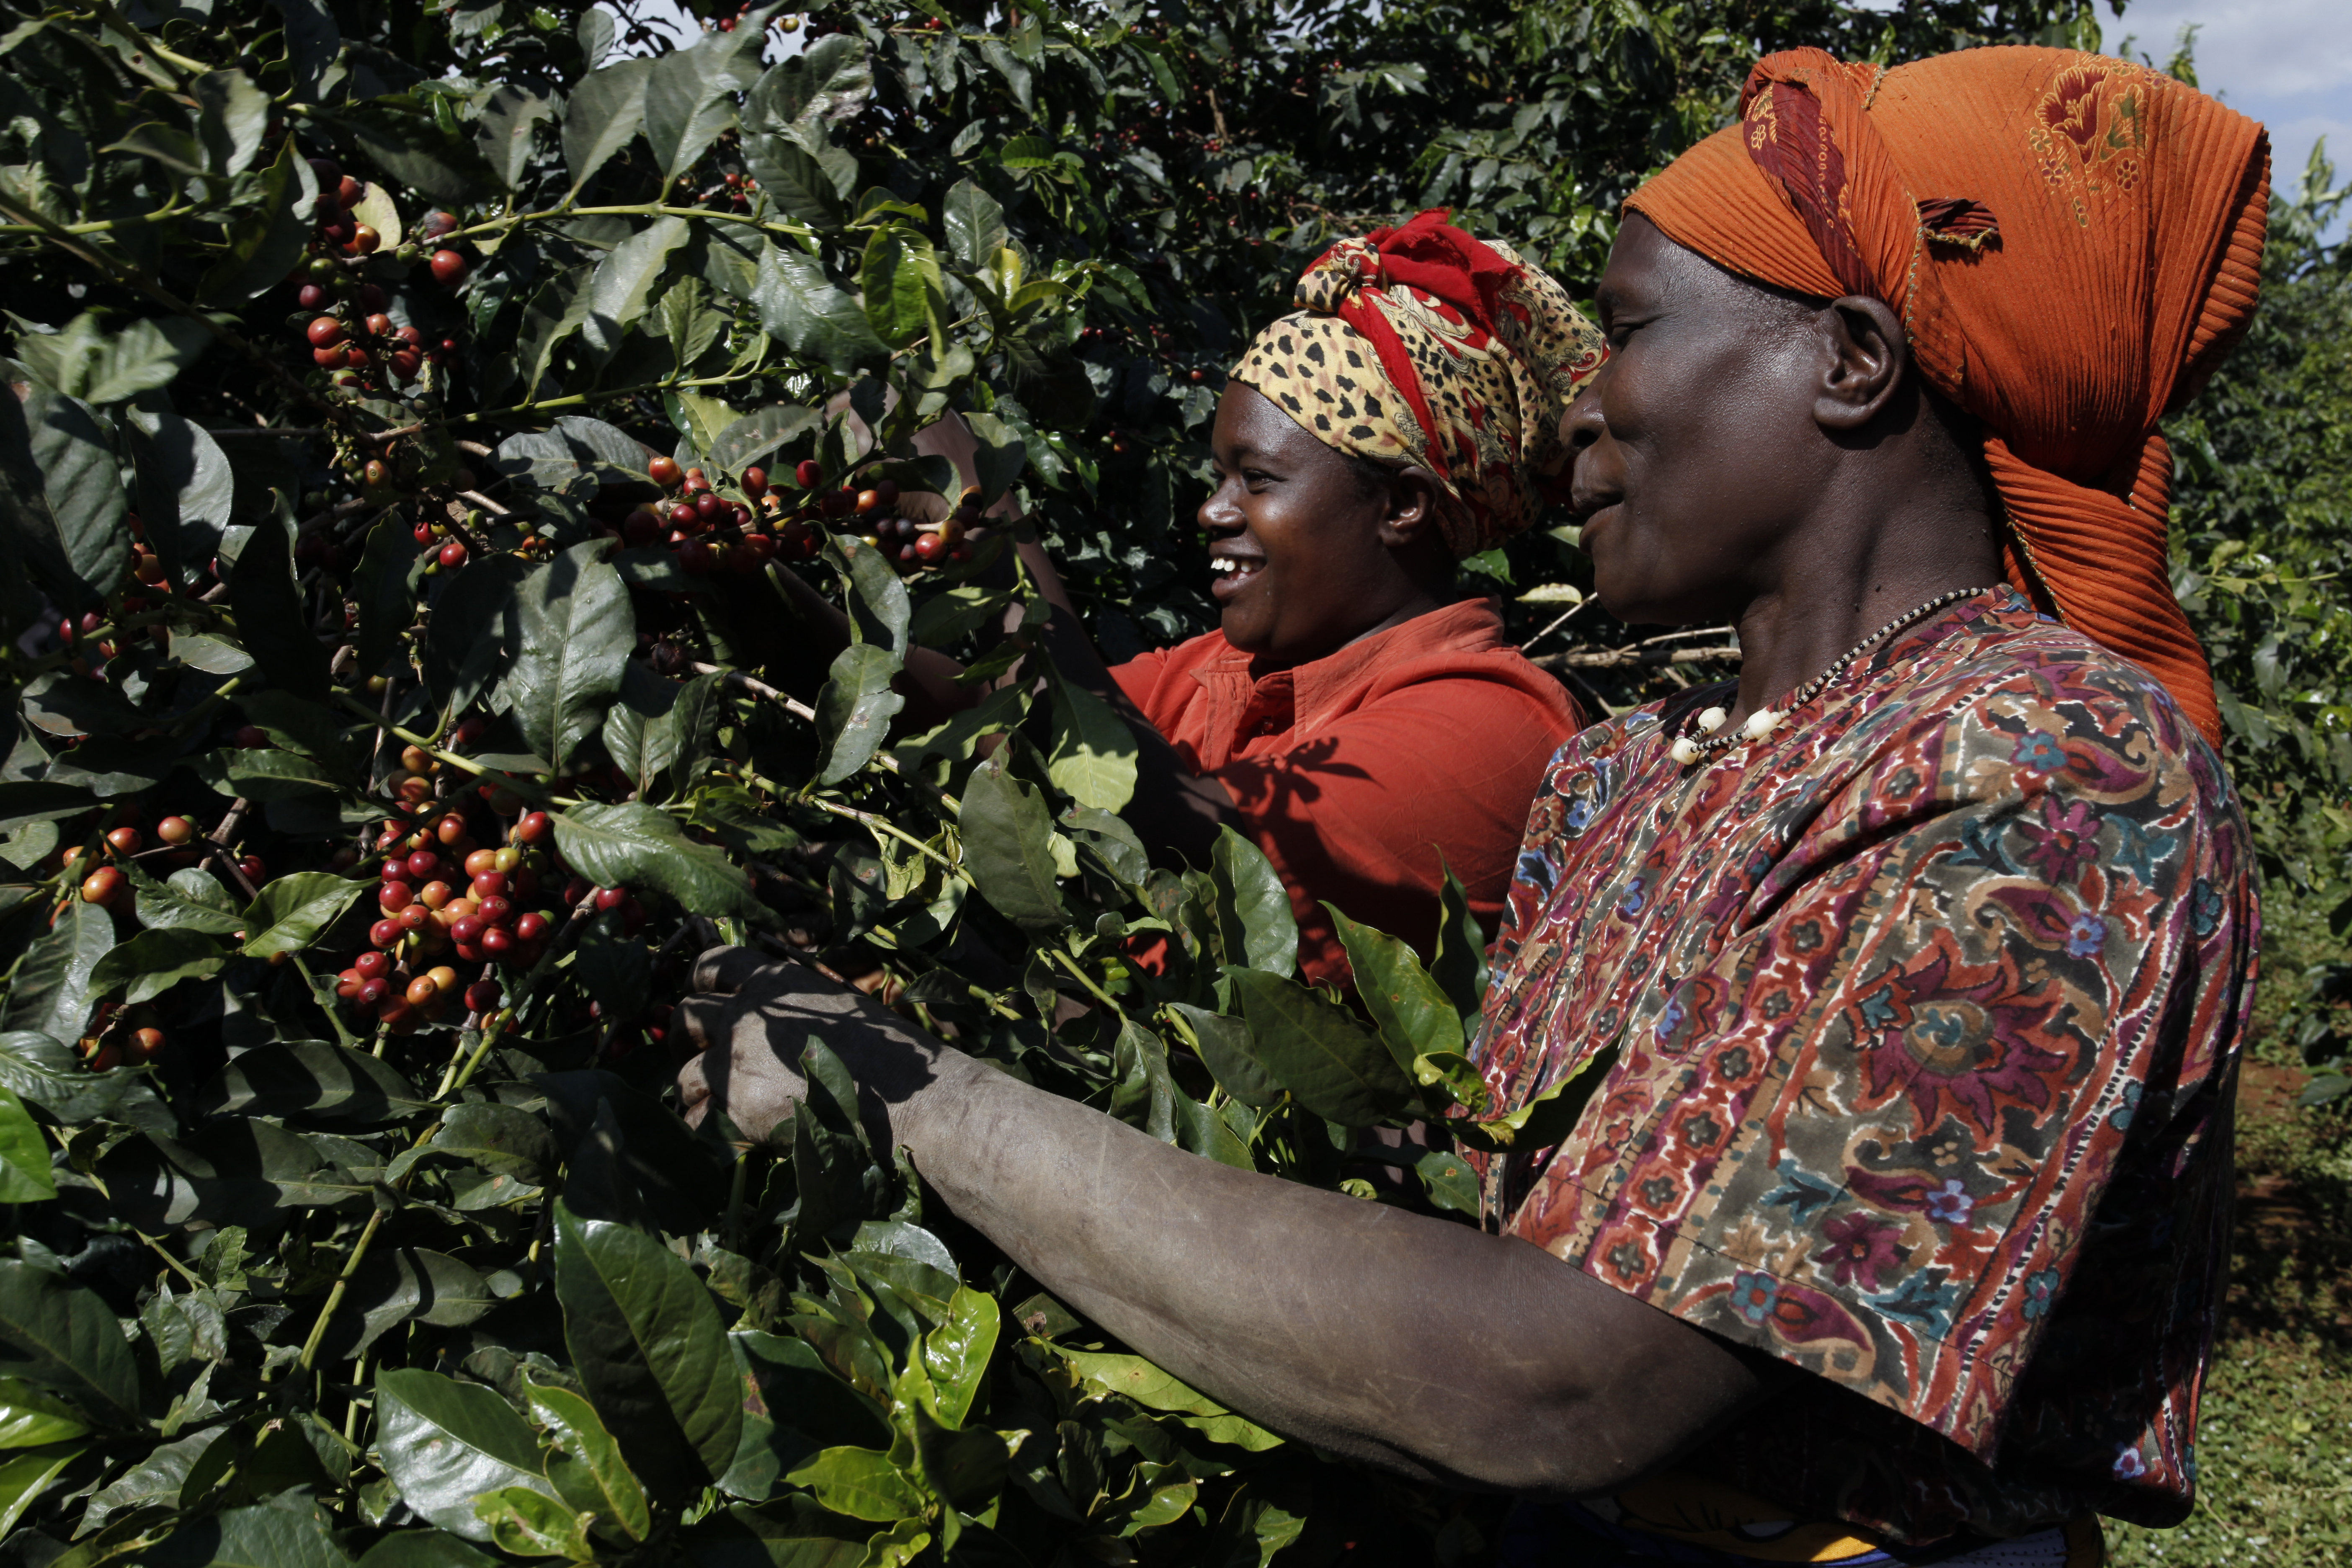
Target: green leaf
<point>289,1530</point>
<point>475,629</point>
<point>270,617</point>
<point>1227,1051</point>
<point>1254,913</point>
<point>24,1174</point>
<point>385,587</point>
<point>209,653</point>
<point>235,121</point>
<point>900,280</point>
<point>51,992</point>
<point>689,102</point>
<point>27,1476</point>
<point>633,845</point>
<point>612,1490</point>
<point>444,1443</point>
<point>193,899</point>
<point>56,1335</point>
<point>650,1346</point>
<point>30,1419</point>
<point>975,226</point>
<point>880,609</point>
<point>803,309</point>
<point>1094,753</point>
<point>968,1468</point>
<point>35,1066</point>
<point>38,800</point>
<point>577,631</point>
<point>1459,965</point>
<point>640,744</point>
<point>859,1483</point>
<point>501,1138</point>
<point>625,282</point>
<point>1002,455</point>
<point>956,1352</point>
<point>801,185</point>
<point>266,238</point>
<point>1411,1010</point>
<point>185,488</point>
<point>100,362</point>
<point>687,322</point>
<point>1329,1064</point>
<point>404,1285</point>
<point>310,1079</point>
<point>504,132</point>
<point>605,111</point>
<point>529,1524</point>
<point>854,710</point>
<point>1008,832</point>
<point>291,911</point>
<point>1450,1181</point>
<point>154,961</point>
<point>425,1548</point>
<point>753,437</point>
<point>266,775</point>
<point>82,484</point>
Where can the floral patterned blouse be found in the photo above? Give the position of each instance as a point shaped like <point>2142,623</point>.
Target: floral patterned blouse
<point>1927,1010</point>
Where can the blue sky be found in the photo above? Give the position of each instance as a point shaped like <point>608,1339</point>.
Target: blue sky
<point>2288,63</point>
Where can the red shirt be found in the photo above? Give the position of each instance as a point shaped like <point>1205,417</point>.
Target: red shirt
<point>1364,774</point>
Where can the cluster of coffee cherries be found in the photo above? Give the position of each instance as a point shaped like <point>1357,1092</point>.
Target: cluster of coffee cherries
<point>343,317</point>
<point>116,1038</point>
<point>705,530</point>
<point>109,888</point>
<point>709,530</point>
<point>440,893</point>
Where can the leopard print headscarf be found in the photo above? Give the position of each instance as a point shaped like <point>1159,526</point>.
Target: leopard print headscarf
<point>1423,345</point>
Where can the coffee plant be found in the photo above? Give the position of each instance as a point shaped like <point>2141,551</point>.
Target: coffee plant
<point>415,415</point>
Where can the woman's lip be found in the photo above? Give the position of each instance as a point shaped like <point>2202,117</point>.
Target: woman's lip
<point>1223,585</point>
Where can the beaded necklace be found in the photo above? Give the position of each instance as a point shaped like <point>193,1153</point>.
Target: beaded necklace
<point>1688,748</point>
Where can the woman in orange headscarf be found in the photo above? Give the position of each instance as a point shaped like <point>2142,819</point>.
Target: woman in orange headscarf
<point>1911,971</point>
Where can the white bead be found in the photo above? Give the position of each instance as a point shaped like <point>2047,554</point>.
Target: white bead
<point>1760,723</point>
<point>1711,720</point>
<point>1685,750</point>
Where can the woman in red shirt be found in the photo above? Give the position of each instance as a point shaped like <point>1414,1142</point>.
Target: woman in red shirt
<point>1363,730</point>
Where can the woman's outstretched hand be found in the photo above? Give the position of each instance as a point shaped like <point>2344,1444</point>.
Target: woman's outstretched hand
<point>752,1017</point>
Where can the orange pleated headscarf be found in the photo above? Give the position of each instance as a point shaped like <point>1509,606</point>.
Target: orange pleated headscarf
<point>2073,242</point>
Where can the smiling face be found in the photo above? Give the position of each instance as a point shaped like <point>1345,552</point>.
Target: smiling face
<point>1306,555</point>
<point>1698,452</point>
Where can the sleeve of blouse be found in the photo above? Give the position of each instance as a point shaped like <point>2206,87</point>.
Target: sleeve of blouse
<point>1871,1135</point>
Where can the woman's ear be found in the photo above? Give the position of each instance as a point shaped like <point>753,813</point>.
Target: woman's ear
<point>1863,354</point>
<point>1411,509</point>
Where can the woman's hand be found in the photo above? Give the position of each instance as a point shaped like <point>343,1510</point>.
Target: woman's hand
<point>752,1017</point>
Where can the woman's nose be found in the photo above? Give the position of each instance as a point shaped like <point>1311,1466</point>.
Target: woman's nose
<point>1219,511</point>
<point>1582,424</point>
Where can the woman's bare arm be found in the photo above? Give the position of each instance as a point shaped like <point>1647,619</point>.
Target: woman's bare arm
<point>1414,1342</point>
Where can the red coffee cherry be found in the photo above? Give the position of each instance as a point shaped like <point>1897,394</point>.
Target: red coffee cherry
<point>664,471</point>
<point>448,269</point>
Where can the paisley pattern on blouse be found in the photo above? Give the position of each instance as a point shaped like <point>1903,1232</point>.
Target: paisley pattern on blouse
<point>1926,1009</point>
